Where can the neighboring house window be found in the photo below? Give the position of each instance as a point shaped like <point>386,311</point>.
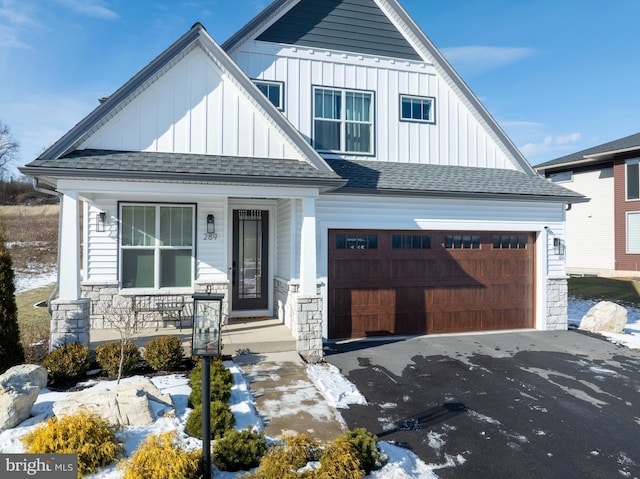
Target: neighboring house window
<point>417,108</point>
<point>157,246</point>
<point>633,232</point>
<point>461,242</point>
<point>561,177</point>
<point>343,120</point>
<point>633,179</point>
<point>273,91</point>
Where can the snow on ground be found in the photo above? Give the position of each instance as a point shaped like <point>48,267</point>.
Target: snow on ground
<point>402,463</point>
<point>577,308</point>
<point>28,281</point>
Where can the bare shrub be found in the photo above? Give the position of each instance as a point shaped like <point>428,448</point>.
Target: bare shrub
<point>35,341</point>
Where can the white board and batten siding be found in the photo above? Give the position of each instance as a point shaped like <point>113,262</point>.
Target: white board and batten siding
<point>456,138</point>
<point>590,225</point>
<point>193,107</point>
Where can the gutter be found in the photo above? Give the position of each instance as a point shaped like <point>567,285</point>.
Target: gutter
<point>57,194</point>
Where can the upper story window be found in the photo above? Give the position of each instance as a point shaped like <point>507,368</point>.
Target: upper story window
<point>633,178</point>
<point>156,245</point>
<point>417,108</point>
<point>343,120</point>
<point>273,90</point>
<point>561,177</point>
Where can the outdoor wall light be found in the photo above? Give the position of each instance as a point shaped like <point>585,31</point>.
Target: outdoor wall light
<point>211,224</point>
<point>101,221</point>
<point>558,246</point>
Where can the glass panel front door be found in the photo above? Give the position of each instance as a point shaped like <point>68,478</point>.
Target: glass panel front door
<point>250,265</point>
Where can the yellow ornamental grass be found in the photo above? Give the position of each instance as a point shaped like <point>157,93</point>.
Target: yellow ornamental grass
<point>159,458</point>
<point>85,433</point>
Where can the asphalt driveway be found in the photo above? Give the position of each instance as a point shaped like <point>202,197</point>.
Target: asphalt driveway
<point>511,405</point>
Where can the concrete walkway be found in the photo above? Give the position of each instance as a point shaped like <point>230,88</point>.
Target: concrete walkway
<point>285,397</point>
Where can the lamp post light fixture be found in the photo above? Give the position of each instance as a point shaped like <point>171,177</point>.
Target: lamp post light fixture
<point>205,342</point>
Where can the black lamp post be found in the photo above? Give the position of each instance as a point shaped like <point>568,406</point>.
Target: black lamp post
<point>207,317</point>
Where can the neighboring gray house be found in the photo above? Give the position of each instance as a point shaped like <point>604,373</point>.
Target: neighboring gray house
<point>603,235</point>
<point>325,166</point>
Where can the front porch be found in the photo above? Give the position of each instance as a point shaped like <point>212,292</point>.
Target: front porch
<point>240,336</point>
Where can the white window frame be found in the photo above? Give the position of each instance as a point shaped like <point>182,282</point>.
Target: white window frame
<point>156,247</point>
<point>632,236</point>
<point>271,83</point>
<point>630,161</point>
<point>422,99</point>
<point>343,121</point>
<point>562,177</point>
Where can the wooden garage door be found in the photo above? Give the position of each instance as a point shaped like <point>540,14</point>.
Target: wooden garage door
<point>421,282</point>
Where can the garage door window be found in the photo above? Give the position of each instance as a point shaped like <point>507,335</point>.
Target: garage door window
<point>356,241</point>
<point>407,241</point>
<point>509,242</point>
<point>461,242</point>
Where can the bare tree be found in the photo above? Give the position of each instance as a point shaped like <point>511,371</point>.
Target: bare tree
<point>8,148</point>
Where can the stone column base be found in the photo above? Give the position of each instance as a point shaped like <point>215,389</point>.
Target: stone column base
<point>308,322</point>
<point>69,322</point>
<point>557,296</point>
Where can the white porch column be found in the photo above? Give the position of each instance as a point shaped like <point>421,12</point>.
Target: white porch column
<point>69,261</point>
<point>308,275</point>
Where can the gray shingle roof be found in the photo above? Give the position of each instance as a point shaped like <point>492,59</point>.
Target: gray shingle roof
<point>107,164</point>
<point>441,180</point>
<point>631,141</point>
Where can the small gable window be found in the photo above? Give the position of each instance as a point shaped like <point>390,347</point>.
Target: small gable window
<point>417,108</point>
<point>633,179</point>
<point>343,120</point>
<point>273,90</point>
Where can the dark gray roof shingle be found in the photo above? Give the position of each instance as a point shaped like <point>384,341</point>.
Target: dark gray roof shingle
<point>409,178</point>
<point>631,141</point>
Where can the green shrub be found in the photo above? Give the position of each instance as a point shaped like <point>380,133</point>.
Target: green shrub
<point>158,457</point>
<point>11,351</point>
<point>108,357</point>
<point>366,446</point>
<point>164,353</point>
<point>282,460</point>
<point>84,433</point>
<point>221,382</point>
<point>221,421</point>
<point>239,450</point>
<point>67,362</point>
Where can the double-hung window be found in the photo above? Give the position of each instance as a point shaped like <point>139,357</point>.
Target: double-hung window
<point>633,178</point>
<point>343,120</point>
<point>156,245</point>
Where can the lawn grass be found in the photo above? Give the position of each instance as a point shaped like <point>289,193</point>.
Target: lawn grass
<point>625,291</point>
<point>27,313</point>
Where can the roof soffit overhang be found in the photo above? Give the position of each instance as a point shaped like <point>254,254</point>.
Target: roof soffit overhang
<point>196,36</point>
<point>421,43</point>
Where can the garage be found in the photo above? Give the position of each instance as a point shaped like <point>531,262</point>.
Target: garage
<point>424,282</point>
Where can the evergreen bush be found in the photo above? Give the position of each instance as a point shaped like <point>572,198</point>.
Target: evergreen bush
<point>164,353</point>
<point>221,421</point>
<point>67,362</point>
<point>85,433</point>
<point>365,444</point>
<point>221,382</point>
<point>283,459</point>
<point>11,351</point>
<point>108,357</point>
<point>239,450</point>
<point>339,459</point>
<point>158,457</point>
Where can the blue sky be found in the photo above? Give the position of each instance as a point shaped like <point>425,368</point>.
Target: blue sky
<point>558,75</point>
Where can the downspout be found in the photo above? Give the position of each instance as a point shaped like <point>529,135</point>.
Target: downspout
<point>46,191</point>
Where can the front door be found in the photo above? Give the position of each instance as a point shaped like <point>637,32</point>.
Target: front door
<point>249,282</point>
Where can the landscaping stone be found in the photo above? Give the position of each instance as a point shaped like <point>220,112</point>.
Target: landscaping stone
<point>605,317</point>
<point>19,389</point>
<point>126,404</point>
